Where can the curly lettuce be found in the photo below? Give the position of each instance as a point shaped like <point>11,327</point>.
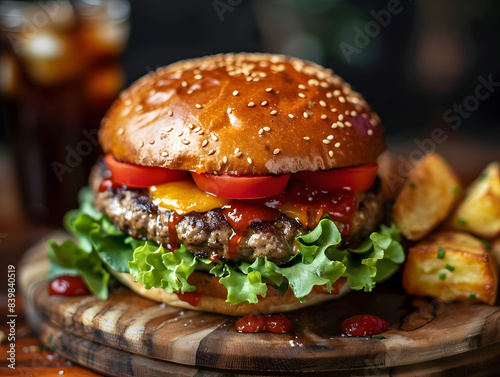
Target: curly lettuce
<point>100,246</point>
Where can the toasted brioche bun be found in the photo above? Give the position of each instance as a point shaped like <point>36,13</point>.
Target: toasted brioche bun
<point>213,298</point>
<point>242,114</point>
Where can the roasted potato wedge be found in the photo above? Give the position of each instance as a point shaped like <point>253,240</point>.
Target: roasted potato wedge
<point>426,197</point>
<point>451,266</point>
<point>479,212</point>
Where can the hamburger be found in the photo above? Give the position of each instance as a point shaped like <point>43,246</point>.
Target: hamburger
<point>234,183</point>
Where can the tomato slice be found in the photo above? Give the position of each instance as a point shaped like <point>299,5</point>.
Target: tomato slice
<point>132,175</point>
<point>356,178</point>
<point>241,187</point>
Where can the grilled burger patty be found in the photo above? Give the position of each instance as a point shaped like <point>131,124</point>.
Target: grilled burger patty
<point>207,234</point>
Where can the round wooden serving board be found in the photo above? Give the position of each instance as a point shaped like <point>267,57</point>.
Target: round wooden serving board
<point>132,336</point>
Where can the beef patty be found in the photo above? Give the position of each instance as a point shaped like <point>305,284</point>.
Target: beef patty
<point>207,234</point>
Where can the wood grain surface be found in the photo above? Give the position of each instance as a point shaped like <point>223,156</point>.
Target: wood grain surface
<point>129,335</point>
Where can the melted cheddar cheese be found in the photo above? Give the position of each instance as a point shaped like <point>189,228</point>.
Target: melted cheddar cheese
<point>184,197</point>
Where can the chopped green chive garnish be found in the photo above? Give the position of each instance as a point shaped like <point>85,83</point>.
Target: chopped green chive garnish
<point>450,268</point>
<point>461,222</point>
<point>486,244</point>
<point>377,336</point>
<point>442,276</point>
<point>413,185</point>
<point>456,190</point>
<point>482,176</point>
<point>472,296</point>
<point>441,253</point>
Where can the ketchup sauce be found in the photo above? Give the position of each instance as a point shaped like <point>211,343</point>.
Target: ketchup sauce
<point>363,325</point>
<point>173,240</point>
<point>109,183</point>
<point>68,286</point>
<point>192,298</point>
<point>257,322</point>
<point>240,214</point>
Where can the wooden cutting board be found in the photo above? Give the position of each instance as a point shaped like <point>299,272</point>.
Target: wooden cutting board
<point>132,336</point>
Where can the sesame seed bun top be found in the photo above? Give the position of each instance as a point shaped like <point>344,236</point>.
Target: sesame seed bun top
<point>242,114</point>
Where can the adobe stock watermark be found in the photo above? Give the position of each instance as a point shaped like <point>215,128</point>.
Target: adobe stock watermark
<point>74,156</point>
<point>38,20</point>
<point>372,29</point>
<point>223,6</point>
<point>439,135</point>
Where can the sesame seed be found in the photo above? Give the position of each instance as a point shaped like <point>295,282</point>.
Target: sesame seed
<point>263,103</point>
<point>235,93</point>
<point>333,110</point>
<point>196,129</point>
<point>324,116</point>
<point>337,144</point>
<point>330,137</point>
<point>201,132</point>
<point>341,117</point>
<point>238,154</point>
<point>354,113</point>
<point>330,153</point>
<point>348,124</point>
<point>141,144</point>
<point>370,132</point>
<point>214,137</point>
<point>267,129</point>
<point>198,77</point>
<point>261,131</point>
<point>364,115</point>
<point>139,108</point>
<point>290,115</point>
<point>120,131</point>
<point>204,144</point>
<point>273,112</point>
<point>326,141</point>
<point>170,113</point>
<point>335,125</point>
<point>302,87</point>
<point>373,122</point>
<point>224,159</point>
<point>251,104</point>
<point>276,151</point>
<point>306,115</point>
<point>337,93</point>
<point>341,99</point>
<point>185,142</point>
<point>341,125</point>
<point>190,126</point>
<point>198,106</point>
<point>189,91</point>
<point>346,112</point>
<point>322,103</point>
<point>249,160</point>
<point>151,141</point>
<point>237,150</point>
<point>269,90</point>
<point>329,95</point>
<point>211,152</point>
<point>179,133</point>
<point>184,84</point>
<point>249,79</point>
<point>229,110</point>
<point>164,154</point>
<point>302,95</point>
<point>169,129</point>
<point>306,138</point>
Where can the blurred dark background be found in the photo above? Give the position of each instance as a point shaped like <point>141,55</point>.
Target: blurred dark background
<point>422,65</point>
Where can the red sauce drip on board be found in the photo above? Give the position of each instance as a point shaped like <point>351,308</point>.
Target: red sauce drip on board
<point>192,298</point>
<point>257,322</point>
<point>214,257</point>
<point>68,286</point>
<point>363,325</point>
<point>240,214</point>
<point>173,241</point>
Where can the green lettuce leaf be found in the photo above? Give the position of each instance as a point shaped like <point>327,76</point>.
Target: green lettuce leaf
<point>100,246</point>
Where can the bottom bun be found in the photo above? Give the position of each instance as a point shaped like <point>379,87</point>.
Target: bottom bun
<point>215,301</point>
